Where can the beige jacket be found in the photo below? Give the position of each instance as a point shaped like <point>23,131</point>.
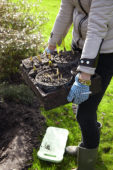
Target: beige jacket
<point>92,20</point>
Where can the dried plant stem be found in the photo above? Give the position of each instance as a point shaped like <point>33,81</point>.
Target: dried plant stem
<point>39,58</point>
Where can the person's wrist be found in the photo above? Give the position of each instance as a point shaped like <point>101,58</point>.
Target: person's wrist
<point>51,47</point>
<point>49,50</point>
<point>84,76</point>
<point>85,79</point>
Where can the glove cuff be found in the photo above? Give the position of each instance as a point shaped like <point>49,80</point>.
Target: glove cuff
<point>81,81</point>
<point>85,82</point>
<point>48,50</point>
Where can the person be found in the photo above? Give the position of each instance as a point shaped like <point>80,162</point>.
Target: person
<point>92,35</point>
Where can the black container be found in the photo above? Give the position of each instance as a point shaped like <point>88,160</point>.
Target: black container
<point>52,96</point>
<point>67,59</point>
<point>54,81</point>
<point>51,99</point>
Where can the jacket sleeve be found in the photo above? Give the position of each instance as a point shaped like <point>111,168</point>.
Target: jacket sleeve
<point>63,22</point>
<point>101,12</point>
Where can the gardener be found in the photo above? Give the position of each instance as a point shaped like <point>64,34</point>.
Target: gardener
<point>93,28</point>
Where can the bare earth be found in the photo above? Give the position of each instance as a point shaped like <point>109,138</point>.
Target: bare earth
<point>20,128</point>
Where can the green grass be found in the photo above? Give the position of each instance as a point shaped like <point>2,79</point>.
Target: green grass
<point>63,116</point>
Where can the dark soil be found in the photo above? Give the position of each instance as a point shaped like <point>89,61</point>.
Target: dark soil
<point>67,56</point>
<point>53,77</point>
<point>29,64</point>
<point>21,129</point>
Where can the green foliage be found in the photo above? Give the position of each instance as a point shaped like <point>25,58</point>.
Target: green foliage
<point>17,93</point>
<point>20,34</point>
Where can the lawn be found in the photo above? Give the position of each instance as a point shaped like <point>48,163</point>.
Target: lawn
<point>63,116</point>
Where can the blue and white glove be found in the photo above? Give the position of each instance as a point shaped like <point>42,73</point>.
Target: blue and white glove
<point>79,92</point>
<point>48,51</point>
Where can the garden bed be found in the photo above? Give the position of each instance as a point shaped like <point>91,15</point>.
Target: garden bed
<point>22,129</point>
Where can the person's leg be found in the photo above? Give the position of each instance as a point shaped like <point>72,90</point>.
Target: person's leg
<point>86,112</point>
<point>87,118</point>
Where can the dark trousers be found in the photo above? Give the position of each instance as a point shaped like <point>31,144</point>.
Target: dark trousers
<point>86,112</point>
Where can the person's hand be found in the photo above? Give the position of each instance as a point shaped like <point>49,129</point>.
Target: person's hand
<point>49,50</point>
<point>79,92</point>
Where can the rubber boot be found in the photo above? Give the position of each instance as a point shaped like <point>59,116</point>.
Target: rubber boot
<point>72,150</point>
<point>86,158</point>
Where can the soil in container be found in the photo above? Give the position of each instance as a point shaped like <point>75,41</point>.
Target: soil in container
<point>36,69</point>
<point>36,61</point>
<point>53,79</point>
<point>67,58</point>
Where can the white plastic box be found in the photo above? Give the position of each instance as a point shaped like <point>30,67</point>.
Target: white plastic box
<point>53,144</point>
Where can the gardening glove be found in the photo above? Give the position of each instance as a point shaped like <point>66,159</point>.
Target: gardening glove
<point>48,51</point>
<point>79,92</point>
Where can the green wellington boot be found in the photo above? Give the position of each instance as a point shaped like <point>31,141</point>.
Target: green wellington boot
<point>72,150</point>
<point>86,158</point>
